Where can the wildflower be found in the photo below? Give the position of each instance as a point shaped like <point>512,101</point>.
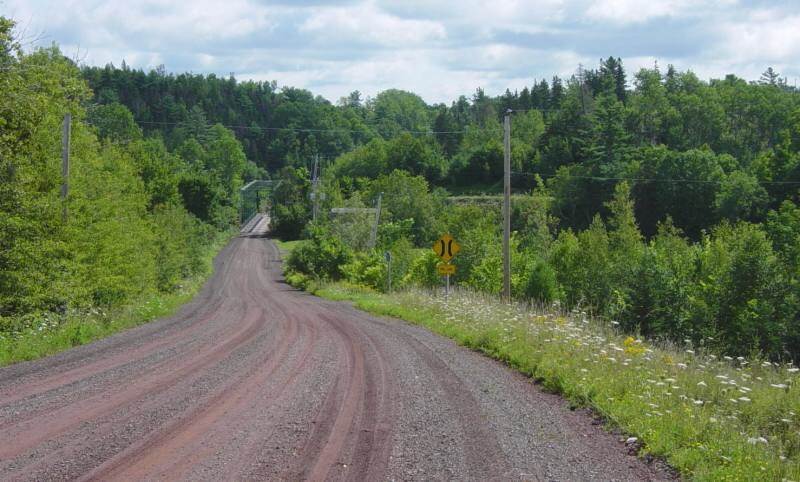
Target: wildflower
<point>701,384</point>
<point>744,399</point>
<point>793,370</point>
<point>778,385</point>
<point>691,352</point>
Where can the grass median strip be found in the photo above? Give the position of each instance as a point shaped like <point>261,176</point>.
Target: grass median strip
<point>712,418</point>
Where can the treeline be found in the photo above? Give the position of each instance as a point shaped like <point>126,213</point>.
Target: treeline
<point>699,152</point>
<point>669,208</point>
<point>666,203</point>
<point>142,213</point>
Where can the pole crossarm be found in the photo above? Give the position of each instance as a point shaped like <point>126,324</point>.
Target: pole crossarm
<point>353,210</point>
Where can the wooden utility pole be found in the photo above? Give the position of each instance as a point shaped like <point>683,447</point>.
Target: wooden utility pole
<point>314,192</point>
<point>66,132</point>
<point>507,206</point>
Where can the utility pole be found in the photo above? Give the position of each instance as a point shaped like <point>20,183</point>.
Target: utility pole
<point>314,193</point>
<point>66,132</point>
<point>374,235</point>
<point>507,206</point>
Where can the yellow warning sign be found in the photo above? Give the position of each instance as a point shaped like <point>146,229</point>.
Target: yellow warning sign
<point>446,247</point>
<point>446,268</point>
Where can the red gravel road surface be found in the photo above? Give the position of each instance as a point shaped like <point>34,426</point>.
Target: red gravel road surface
<point>255,380</point>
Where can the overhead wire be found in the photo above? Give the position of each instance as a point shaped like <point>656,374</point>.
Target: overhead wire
<point>317,130</point>
<point>643,179</point>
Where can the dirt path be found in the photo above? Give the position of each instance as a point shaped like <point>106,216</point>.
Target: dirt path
<point>255,380</point>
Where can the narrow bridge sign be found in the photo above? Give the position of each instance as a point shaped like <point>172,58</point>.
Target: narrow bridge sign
<point>446,247</point>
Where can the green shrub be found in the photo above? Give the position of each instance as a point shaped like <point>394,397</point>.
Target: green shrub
<point>321,257</point>
<point>366,269</point>
<point>541,283</point>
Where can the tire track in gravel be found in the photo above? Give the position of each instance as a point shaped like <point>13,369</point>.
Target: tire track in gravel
<point>25,433</point>
<point>166,452</point>
<point>255,380</point>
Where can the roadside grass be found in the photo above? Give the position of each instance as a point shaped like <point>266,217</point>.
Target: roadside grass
<point>709,418</point>
<point>51,334</point>
<point>287,246</point>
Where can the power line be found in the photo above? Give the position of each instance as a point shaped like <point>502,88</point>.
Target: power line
<point>644,179</point>
<point>312,130</point>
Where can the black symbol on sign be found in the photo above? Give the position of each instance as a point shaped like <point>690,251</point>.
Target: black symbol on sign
<point>446,249</point>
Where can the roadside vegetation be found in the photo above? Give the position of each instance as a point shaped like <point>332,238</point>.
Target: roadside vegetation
<point>144,215</point>
<point>657,227</point>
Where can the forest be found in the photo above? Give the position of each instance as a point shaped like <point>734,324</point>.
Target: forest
<point>663,202</point>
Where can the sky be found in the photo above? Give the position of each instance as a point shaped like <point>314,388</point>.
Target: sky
<point>439,50</point>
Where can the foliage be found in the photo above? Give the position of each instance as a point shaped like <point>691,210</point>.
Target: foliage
<point>139,222</point>
<point>322,256</point>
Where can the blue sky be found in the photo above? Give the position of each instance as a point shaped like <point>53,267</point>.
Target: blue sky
<point>439,50</point>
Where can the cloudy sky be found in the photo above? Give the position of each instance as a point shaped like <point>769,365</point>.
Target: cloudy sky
<point>439,50</point>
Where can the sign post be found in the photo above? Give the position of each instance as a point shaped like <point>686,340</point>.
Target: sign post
<point>446,248</point>
<point>388,257</point>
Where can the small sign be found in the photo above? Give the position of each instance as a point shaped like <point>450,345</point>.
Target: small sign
<point>446,247</point>
<point>446,268</point>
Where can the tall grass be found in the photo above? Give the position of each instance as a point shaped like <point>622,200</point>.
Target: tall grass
<point>711,418</point>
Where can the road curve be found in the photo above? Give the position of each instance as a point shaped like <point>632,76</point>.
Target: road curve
<point>255,380</point>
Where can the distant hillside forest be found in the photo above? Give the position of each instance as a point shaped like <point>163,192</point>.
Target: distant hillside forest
<point>696,151</point>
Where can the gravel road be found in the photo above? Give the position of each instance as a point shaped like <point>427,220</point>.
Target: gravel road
<point>254,380</point>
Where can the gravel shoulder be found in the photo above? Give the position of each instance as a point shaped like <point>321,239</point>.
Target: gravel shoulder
<point>256,380</point>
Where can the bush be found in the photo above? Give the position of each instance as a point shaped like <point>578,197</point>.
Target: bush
<point>541,283</point>
<point>422,271</point>
<point>366,269</point>
<point>321,257</point>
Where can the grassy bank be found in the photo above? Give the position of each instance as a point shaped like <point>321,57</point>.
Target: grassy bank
<point>710,418</point>
<point>52,334</point>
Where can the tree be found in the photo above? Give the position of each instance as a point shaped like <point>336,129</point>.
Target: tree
<point>114,122</point>
<point>291,203</point>
<point>395,111</point>
<point>770,77</point>
<point>740,197</point>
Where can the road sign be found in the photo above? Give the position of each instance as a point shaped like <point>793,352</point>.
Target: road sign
<point>446,268</point>
<point>446,247</point>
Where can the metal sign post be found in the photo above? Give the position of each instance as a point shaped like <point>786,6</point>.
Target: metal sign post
<point>388,257</point>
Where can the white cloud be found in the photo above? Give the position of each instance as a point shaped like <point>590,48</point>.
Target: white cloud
<point>367,24</point>
<point>638,11</point>
<point>437,49</point>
